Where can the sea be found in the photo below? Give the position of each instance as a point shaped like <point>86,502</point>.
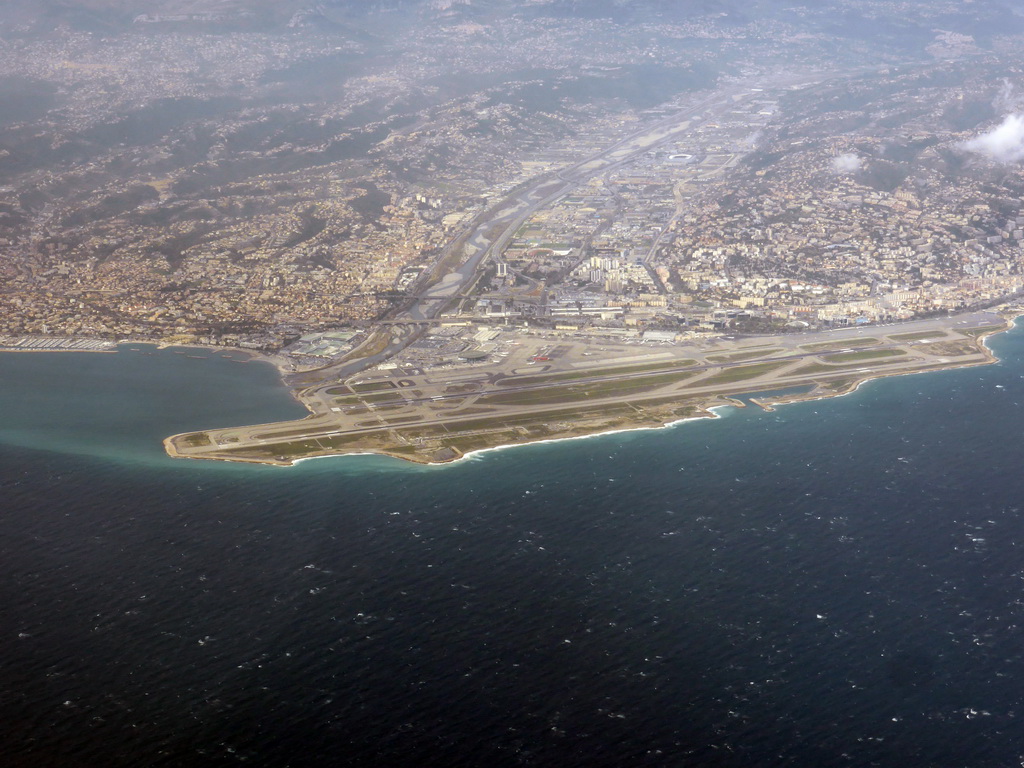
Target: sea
<point>835,583</point>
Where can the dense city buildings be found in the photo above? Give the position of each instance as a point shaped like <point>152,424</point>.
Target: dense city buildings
<point>198,177</point>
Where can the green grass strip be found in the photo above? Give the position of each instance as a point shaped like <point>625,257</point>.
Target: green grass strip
<point>738,356</point>
<point>865,354</point>
<point>742,373</point>
<point>918,335</point>
<point>595,373</point>
<point>834,344</point>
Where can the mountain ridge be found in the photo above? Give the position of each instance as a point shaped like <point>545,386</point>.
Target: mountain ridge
<point>115,13</point>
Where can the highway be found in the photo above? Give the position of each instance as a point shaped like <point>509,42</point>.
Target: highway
<point>490,231</point>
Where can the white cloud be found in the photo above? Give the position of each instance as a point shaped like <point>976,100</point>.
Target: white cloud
<point>848,163</point>
<point>1004,143</point>
<point>1006,100</point>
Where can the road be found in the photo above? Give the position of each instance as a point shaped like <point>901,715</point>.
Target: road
<point>490,232</point>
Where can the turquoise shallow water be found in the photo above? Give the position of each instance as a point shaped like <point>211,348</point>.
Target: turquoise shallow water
<point>120,406</point>
<point>834,583</point>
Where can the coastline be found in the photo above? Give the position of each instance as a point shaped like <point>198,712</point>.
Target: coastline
<point>649,419</point>
<point>710,411</point>
<point>614,414</point>
<point>991,359</point>
<point>56,351</point>
<point>252,355</point>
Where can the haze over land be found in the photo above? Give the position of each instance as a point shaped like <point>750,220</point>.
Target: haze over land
<point>455,226</point>
<point>247,172</point>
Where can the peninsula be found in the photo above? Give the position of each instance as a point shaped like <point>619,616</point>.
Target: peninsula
<point>434,407</point>
<point>460,224</point>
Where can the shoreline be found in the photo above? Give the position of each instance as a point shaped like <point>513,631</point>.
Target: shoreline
<point>57,351</point>
<point>658,415</point>
<point>252,355</point>
<point>702,410</point>
<point>709,412</point>
<point>810,397</point>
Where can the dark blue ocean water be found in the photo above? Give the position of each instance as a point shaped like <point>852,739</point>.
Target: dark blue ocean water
<point>837,583</point>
